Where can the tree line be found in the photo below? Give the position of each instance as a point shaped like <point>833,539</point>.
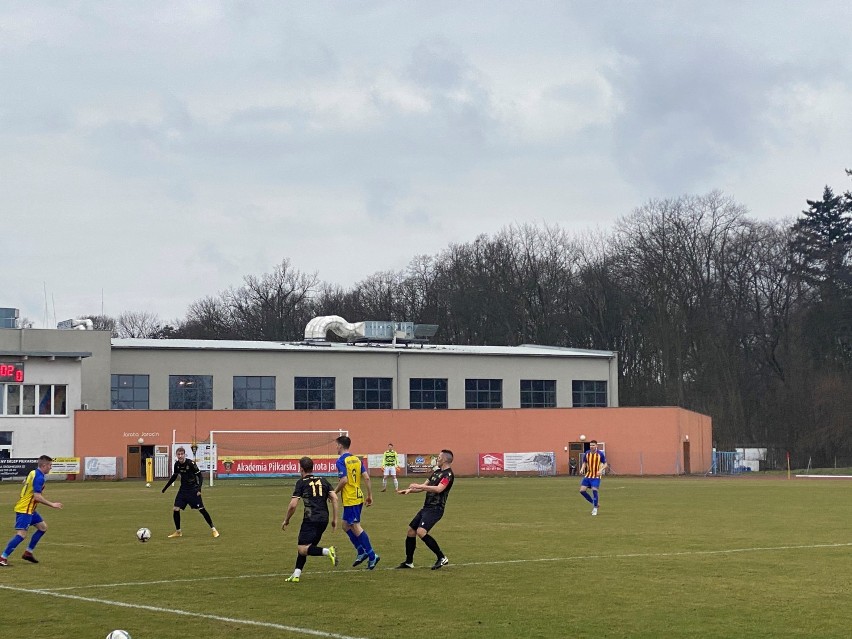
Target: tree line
<point>747,321</point>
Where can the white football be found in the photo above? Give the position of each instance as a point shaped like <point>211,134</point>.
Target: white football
<point>143,535</point>
<point>120,634</point>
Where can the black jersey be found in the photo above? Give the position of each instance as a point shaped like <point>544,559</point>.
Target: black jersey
<point>190,476</point>
<point>439,500</point>
<point>314,493</point>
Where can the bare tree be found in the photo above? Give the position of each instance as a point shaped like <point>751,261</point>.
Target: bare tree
<point>139,324</point>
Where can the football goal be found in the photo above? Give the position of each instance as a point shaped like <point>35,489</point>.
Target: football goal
<point>251,454</point>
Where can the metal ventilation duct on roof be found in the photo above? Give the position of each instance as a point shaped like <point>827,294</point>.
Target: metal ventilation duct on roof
<point>373,331</point>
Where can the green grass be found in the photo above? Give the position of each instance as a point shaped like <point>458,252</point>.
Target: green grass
<point>746,557</point>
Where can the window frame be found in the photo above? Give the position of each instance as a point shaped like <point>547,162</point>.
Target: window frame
<point>483,393</point>
<point>542,397</point>
<point>372,393</point>
<point>585,396</point>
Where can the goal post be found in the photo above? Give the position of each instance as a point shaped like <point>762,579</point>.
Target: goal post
<point>251,454</point>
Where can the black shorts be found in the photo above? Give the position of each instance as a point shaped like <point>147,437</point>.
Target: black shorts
<point>189,498</point>
<point>311,532</point>
<point>426,518</point>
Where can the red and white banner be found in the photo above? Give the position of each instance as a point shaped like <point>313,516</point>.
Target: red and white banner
<point>516,462</point>
<point>491,462</point>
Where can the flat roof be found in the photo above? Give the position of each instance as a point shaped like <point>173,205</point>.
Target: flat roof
<point>531,350</point>
<point>48,354</point>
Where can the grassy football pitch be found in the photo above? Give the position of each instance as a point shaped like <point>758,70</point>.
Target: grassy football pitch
<point>675,557</point>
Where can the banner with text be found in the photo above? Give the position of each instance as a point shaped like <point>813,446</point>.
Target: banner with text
<point>422,464</point>
<point>19,467</point>
<point>247,466</point>
<point>65,466</point>
<point>516,462</point>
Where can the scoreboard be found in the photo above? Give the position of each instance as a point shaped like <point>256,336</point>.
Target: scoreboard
<point>11,372</point>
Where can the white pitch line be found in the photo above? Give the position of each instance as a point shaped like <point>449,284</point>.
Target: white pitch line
<point>633,555</point>
<point>185,613</point>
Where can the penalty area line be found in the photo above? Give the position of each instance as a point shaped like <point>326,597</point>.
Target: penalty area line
<point>183,613</point>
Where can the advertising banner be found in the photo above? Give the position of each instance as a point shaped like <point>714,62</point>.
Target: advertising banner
<point>516,462</point>
<point>20,467</point>
<point>421,464</point>
<point>101,466</point>
<point>247,466</point>
<point>491,462</point>
<point>65,466</point>
<point>540,462</point>
<point>203,457</point>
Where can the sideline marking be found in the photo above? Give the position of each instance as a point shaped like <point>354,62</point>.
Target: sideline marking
<point>633,555</point>
<point>185,613</point>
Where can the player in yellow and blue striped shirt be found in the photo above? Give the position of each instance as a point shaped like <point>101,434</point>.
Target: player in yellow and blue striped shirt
<point>353,474</point>
<point>25,512</point>
<point>594,464</point>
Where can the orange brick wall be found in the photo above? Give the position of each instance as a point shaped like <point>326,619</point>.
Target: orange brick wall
<point>646,441</point>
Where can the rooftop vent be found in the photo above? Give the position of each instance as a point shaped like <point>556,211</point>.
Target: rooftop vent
<point>369,331</point>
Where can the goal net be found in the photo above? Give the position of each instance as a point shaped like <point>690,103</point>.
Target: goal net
<point>253,454</point>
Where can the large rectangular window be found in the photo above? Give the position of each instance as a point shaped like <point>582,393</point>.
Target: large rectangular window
<point>129,392</point>
<point>254,393</point>
<point>427,392</point>
<point>314,393</point>
<point>372,392</point>
<point>586,393</point>
<point>42,400</point>
<point>538,393</point>
<point>483,393</point>
<point>190,392</point>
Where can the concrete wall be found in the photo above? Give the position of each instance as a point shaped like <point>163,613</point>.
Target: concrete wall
<point>638,440</point>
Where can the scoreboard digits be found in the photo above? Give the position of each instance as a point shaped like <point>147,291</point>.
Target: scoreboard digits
<point>11,372</point>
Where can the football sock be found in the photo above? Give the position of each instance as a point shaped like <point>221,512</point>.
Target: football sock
<point>384,483</point>
<point>206,515</point>
<point>365,544</point>
<point>13,543</point>
<point>410,544</point>
<point>355,541</point>
<point>396,483</point>
<point>297,572</point>
<point>430,542</point>
<point>587,497</point>
<point>176,517</point>
<point>38,534</point>
<point>595,501</point>
<point>301,560</point>
<point>315,551</point>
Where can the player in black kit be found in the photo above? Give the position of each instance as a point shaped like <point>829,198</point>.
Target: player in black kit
<point>315,493</point>
<point>189,493</point>
<point>437,489</point>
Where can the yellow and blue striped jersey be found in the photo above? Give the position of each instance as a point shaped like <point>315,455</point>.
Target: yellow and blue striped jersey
<point>351,467</point>
<point>33,484</point>
<point>594,463</point>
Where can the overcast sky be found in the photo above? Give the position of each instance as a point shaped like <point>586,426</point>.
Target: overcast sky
<point>154,153</point>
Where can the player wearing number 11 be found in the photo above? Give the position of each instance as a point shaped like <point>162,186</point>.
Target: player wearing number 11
<point>315,493</point>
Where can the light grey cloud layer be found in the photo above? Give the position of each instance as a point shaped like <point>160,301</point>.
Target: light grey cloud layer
<point>152,154</point>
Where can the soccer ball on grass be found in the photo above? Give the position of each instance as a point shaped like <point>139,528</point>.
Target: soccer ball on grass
<point>143,535</point>
<point>119,634</point>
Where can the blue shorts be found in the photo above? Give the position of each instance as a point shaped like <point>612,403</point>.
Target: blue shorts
<point>591,482</point>
<point>352,514</point>
<point>24,520</point>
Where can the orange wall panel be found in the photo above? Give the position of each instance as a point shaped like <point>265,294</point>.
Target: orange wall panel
<point>646,441</point>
